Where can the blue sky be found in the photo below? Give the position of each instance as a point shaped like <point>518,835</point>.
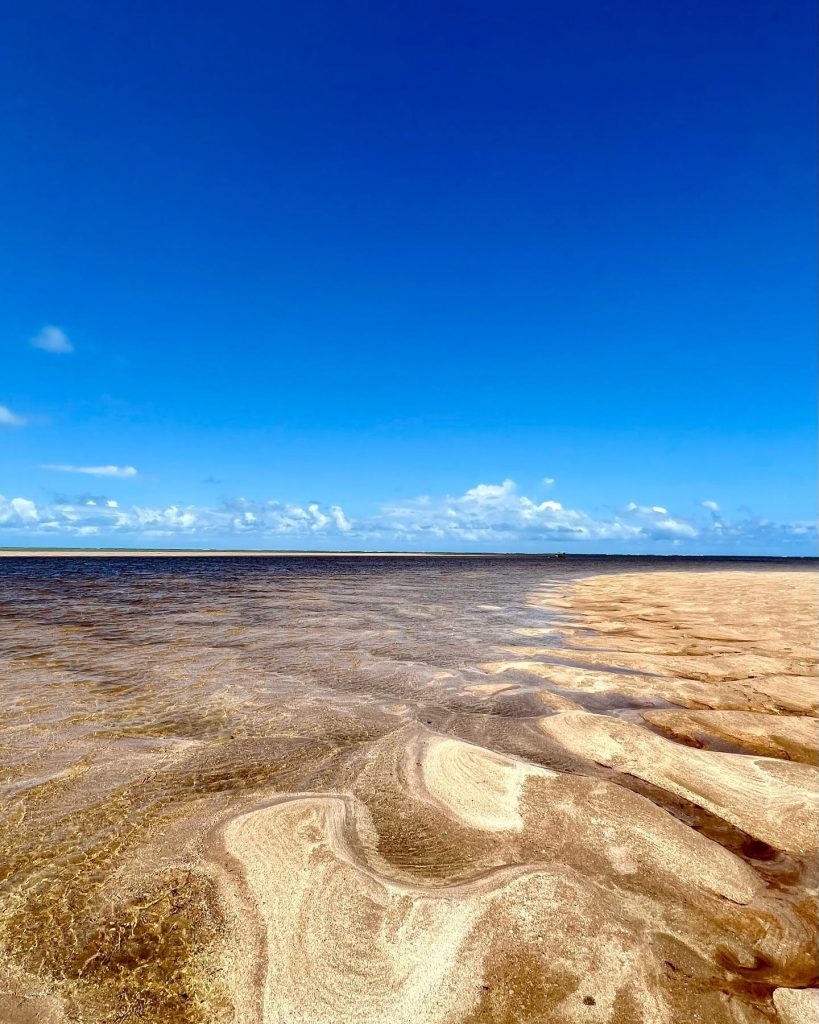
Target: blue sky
<point>524,276</point>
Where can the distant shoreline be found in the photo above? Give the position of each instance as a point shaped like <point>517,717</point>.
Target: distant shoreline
<point>267,553</point>
<point>228,553</point>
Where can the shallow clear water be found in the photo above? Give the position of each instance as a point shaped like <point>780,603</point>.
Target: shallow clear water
<point>144,695</point>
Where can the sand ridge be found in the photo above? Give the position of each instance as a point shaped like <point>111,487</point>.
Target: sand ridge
<point>772,800</point>
<point>792,737</point>
<point>347,936</point>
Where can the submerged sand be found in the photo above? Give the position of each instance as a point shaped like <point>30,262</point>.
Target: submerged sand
<point>631,837</point>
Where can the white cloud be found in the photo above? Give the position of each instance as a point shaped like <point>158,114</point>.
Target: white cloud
<point>23,509</point>
<point>647,510</point>
<point>11,419</point>
<point>712,506</point>
<point>341,521</point>
<point>485,494</point>
<point>496,514</point>
<point>493,517</point>
<point>120,471</point>
<point>52,339</point>
<point>548,480</point>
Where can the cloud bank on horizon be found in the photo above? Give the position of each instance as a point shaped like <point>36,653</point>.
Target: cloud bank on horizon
<point>486,517</point>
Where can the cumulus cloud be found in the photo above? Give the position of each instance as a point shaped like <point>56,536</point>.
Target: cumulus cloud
<point>11,419</point>
<point>488,516</point>
<point>52,339</point>
<point>712,506</point>
<point>548,480</point>
<point>497,513</point>
<point>97,515</point>
<point>19,510</point>
<point>120,471</point>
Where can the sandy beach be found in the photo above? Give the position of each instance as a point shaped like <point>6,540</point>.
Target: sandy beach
<point>357,799</point>
<point>409,582</point>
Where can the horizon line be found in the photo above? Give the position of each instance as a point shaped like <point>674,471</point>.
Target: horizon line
<point>22,552</point>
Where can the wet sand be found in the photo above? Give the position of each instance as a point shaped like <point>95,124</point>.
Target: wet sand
<point>469,794</point>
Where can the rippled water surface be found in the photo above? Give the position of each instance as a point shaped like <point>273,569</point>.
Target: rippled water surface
<point>142,696</point>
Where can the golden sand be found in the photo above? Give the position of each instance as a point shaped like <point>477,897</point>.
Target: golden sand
<point>566,890</point>
<point>489,689</point>
<point>797,1006</point>
<point>633,841</point>
<point>772,800</point>
<point>791,737</point>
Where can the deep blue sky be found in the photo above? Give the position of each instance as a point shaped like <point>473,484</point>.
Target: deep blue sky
<point>357,254</point>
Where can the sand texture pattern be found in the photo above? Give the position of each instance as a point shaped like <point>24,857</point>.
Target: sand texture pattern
<point>791,737</point>
<point>507,932</point>
<point>360,796</point>
<point>767,799</point>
